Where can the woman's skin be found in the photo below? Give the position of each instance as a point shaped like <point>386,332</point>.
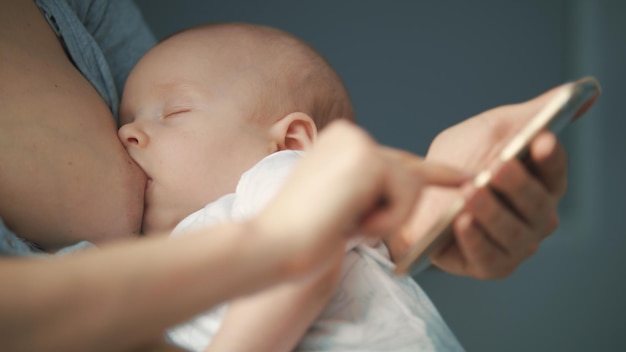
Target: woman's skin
<point>64,171</point>
<point>491,238</point>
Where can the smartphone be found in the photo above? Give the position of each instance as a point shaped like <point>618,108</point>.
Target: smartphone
<point>570,102</point>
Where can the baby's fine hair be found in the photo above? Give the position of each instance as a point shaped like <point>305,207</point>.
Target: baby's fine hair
<point>305,81</point>
<point>292,75</point>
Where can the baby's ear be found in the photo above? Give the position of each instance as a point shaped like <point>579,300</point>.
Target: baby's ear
<point>296,131</point>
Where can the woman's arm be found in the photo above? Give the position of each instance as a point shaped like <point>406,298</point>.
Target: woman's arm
<point>125,295</point>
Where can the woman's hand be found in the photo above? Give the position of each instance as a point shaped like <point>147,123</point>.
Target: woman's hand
<point>346,184</point>
<point>493,234</point>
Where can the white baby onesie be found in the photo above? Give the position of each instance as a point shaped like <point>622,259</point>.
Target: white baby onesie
<point>371,309</point>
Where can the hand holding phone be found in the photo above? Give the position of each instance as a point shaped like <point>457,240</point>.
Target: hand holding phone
<point>566,105</point>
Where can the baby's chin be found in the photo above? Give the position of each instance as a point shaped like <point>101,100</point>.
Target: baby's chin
<point>157,223</point>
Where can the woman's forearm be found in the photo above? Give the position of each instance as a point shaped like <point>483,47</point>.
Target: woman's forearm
<point>124,295</point>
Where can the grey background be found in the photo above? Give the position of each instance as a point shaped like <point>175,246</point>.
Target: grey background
<point>416,67</point>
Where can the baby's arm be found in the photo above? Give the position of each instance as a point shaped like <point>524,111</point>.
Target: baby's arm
<point>274,319</point>
<point>277,318</point>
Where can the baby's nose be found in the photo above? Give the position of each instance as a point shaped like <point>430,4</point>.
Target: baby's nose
<point>132,136</point>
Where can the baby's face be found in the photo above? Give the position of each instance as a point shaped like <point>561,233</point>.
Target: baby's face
<point>186,122</point>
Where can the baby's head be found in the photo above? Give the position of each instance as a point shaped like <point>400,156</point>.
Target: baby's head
<point>208,103</point>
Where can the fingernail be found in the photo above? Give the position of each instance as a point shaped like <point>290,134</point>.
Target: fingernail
<point>482,179</point>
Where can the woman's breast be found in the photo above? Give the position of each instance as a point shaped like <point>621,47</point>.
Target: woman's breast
<point>64,176</point>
